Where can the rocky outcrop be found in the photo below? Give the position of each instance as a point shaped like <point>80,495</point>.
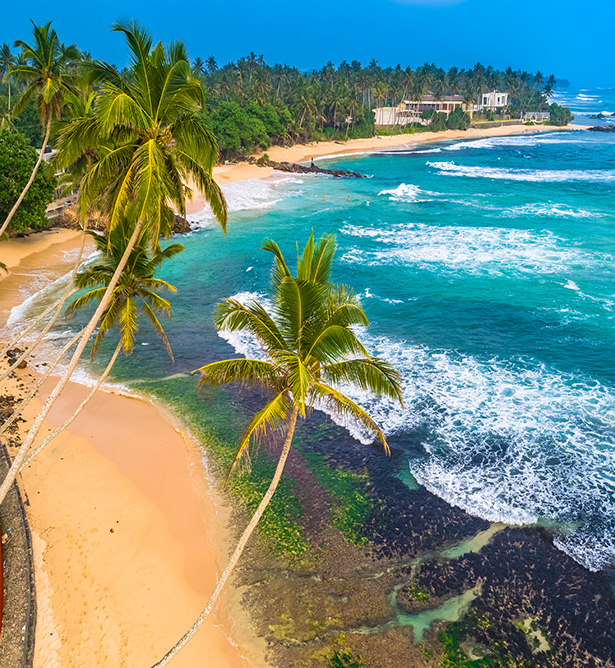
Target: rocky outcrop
<point>296,168</point>
<point>602,128</point>
<point>69,218</point>
<point>181,225</point>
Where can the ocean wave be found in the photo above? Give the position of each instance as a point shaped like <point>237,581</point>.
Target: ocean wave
<point>547,209</point>
<point>531,175</point>
<point>246,195</point>
<point>517,141</point>
<point>475,250</point>
<point>407,192</point>
<point>512,441</point>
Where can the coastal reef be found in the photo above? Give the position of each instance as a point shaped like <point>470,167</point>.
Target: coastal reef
<point>392,576</point>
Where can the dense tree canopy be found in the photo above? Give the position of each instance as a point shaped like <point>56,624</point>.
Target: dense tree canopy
<point>17,158</point>
<point>251,104</point>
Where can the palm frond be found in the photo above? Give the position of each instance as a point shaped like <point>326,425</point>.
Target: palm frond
<point>269,418</point>
<point>247,372</point>
<point>347,409</point>
<point>373,374</point>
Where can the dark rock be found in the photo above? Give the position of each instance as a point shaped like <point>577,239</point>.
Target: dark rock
<point>181,225</point>
<point>296,168</point>
<point>602,128</point>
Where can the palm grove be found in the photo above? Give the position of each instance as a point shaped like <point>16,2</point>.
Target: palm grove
<point>128,143</point>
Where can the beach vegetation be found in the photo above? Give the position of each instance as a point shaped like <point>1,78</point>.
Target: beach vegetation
<point>345,659</point>
<point>309,348</point>
<point>17,161</point>
<point>458,119</point>
<point>559,115</point>
<point>43,68</point>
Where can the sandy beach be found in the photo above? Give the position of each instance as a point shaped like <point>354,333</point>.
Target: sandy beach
<point>128,533</point>
<point>225,174</point>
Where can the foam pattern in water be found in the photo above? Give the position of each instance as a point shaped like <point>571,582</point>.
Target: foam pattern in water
<point>530,175</point>
<point>475,250</point>
<point>511,441</point>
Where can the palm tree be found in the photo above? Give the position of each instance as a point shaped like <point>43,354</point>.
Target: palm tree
<point>310,349</point>
<point>6,119</point>
<point>212,66</point>
<point>151,137</point>
<point>47,83</point>
<point>136,293</point>
<point>198,67</point>
<point>7,60</point>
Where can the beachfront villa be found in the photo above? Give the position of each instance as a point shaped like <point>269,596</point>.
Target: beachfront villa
<point>492,101</point>
<point>409,111</point>
<point>537,116</point>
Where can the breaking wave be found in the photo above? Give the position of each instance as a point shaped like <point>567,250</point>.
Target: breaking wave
<point>531,175</point>
<point>407,192</point>
<point>476,250</point>
<point>246,195</point>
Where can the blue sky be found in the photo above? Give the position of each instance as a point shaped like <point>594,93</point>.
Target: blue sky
<point>565,38</point>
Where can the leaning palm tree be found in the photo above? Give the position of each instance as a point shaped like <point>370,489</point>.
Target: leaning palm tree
<point>136,294</point>
<point>151,138</point>
<point>47,82</point>
<point>310,349</point>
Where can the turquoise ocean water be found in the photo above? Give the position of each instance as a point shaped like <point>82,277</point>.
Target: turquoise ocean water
<point>487,269</point>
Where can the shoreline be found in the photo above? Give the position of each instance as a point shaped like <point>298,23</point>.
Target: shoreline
<point>57,487</point>
<point>243,171</point>
<point>129,531</point>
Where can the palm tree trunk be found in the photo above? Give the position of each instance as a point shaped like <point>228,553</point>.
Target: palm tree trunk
<point>240,546</point>
<point>35,428</point>
<point>26,400</point>
<point>81,406</point>
<point>30,180</point>
<point>60,304</point>
<point>29,328</point>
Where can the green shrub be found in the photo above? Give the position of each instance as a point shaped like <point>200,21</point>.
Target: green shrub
<point>17,159</point>
<point>458,119</point>
<point>345,659</point>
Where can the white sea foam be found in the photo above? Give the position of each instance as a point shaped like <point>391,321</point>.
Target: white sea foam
<point>508,440</point>
<point>476,250</point>
<point>407,192</point>
<point>531,175</point>
<point>368,295</point>
<point>547,209</point>
<point>246,195</point>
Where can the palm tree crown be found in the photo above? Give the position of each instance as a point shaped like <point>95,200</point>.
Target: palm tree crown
<point>309,343</point>
<point>43,68</point>
<point>150,134</point>
<point>136,291</point>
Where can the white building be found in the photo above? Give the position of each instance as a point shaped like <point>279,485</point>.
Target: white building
<point>493,100</point>
<point>537,116</point>
<point>409,111</point>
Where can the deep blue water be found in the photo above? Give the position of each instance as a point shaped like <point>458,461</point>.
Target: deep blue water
<point>487,270</point>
